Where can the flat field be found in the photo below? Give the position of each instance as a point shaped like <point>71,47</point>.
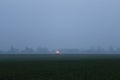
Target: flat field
<point>59,67</point>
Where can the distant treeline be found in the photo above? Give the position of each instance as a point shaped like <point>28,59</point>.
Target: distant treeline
<point>41,50</point>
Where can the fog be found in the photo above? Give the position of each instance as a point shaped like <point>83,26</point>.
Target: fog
<point>59,23</point>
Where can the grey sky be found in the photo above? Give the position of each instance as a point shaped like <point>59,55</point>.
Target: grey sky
<point>59,23</point>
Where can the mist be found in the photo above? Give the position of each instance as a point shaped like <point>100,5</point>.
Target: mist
<point>59,23</point>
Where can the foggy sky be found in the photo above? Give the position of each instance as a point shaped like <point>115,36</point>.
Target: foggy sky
<point>59,23</point>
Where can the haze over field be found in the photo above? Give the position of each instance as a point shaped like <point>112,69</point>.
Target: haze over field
<point>59,23</point>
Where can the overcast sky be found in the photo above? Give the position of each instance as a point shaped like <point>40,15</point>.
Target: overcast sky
<point>59,23</point>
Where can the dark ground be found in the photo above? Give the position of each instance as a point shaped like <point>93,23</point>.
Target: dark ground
<point>59,67</point>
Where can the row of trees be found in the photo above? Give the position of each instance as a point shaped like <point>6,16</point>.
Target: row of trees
<point>69,51</point>
<point>92,50</point>
<point>27,50</point>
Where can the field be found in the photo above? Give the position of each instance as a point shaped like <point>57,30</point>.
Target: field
<point>59,67</point>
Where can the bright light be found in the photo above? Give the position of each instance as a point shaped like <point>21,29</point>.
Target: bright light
<point>57,52</point>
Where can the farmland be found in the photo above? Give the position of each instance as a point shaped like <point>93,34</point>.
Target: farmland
<point>59,67</point>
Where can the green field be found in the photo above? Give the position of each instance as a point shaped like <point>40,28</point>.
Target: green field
<point>59,67</point>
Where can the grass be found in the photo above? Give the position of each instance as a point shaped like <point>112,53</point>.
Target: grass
<point>82,69</point>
